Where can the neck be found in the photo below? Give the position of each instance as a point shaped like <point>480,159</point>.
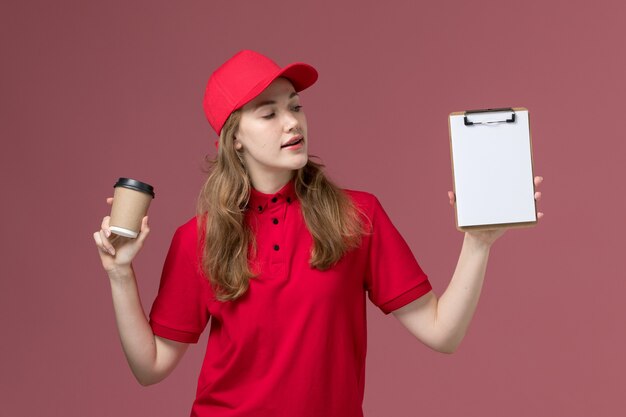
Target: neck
<point>270,183</point>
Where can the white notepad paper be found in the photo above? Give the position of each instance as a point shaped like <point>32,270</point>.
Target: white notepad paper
<point>492,168</point>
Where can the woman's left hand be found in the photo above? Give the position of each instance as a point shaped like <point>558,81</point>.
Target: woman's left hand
<point>487,237</point>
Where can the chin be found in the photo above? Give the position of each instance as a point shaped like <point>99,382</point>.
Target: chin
<point>303,162</point>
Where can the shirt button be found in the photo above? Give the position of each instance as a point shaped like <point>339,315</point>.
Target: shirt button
<point>274,200</point>
<point>275,220</point>
<point>288,199</point>
<point>260,208</point>
<point>276,247</point>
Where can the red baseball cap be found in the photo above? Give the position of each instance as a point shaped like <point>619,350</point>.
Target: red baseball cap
<point>242,78</point>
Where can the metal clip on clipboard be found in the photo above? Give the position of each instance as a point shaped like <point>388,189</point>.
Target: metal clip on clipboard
<point>490,122</point>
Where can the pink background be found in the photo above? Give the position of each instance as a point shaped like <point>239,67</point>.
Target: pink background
<point>92,91</point>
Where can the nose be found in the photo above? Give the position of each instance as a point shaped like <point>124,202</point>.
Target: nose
<point>290,122</point>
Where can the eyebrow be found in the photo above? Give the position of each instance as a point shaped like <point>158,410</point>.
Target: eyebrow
<point>266,102</point>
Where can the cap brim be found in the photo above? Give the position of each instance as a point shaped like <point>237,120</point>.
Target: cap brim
<point>300,74</point>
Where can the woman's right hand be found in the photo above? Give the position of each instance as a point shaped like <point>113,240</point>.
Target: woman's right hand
<point>117,251</point>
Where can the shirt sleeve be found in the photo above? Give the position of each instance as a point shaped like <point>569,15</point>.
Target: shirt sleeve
<point>393,277</point>
<point>180,310</point>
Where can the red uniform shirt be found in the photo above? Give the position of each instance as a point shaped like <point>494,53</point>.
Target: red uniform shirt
<point>295,343</point>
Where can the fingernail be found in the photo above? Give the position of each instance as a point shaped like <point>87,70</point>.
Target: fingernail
<point>112,252</point>
<point>107,233</point>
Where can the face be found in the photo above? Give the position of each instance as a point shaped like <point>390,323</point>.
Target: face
<point>268,123</point>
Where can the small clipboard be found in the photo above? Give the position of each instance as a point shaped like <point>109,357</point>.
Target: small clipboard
<point>492,169</point>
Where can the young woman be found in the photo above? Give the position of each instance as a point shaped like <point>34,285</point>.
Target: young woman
<point>281,260</point>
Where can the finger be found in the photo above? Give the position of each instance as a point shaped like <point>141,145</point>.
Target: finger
<point>105,226</point>
<point>106,244</point>
<point>539,215</point>
<point>537,195</point>
<point>97,237</point>
<point>145,230</point>
<point>538,180</point>
<point>110,200</point>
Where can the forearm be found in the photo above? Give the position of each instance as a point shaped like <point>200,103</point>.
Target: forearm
<point>456,306</point>
<point>138,341</point>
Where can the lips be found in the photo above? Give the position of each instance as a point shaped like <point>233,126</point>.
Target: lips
<point>293,141</point>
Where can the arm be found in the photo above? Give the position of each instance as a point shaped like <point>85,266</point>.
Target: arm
<point>151,358</point>
<point>441,323</point>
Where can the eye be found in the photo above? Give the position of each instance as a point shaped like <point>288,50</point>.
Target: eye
<point>297,108</point>
<point>269,116</point>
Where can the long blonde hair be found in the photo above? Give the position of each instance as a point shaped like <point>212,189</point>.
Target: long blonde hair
<point>227,242</point>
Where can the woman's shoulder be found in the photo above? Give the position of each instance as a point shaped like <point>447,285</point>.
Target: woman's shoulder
<point>186,236</point>
<point>190,227</point>
<point>187,233</point>
<point>363,199</point>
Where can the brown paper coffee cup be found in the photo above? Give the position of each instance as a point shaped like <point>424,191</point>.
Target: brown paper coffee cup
<point>131,200</point>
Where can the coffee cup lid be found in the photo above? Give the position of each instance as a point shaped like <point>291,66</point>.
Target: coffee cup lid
<point>135,185</point>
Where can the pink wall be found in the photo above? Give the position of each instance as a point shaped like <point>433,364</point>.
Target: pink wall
<point>91,91</point>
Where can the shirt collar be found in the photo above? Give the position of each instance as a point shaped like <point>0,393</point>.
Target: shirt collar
<point>259,201</point>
